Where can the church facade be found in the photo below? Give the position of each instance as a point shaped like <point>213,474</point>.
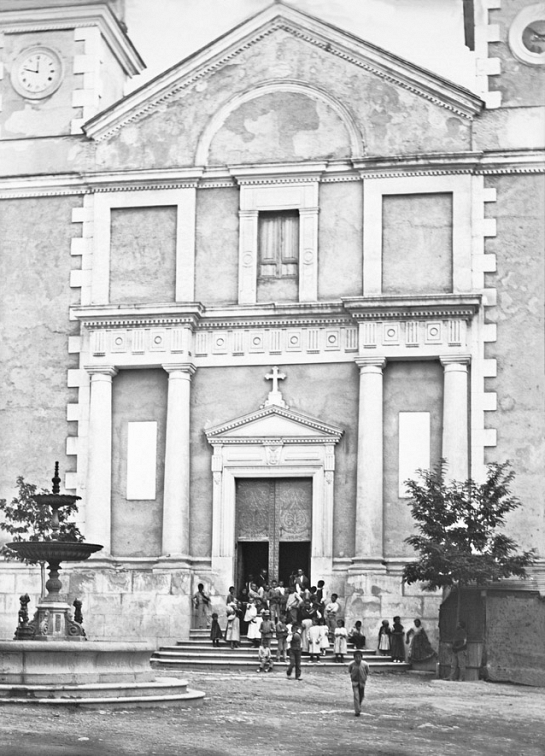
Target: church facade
<point>244,303</point>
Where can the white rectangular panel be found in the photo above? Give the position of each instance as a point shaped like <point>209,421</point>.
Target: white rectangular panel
<point>141,460</point>
<point>414,446</point>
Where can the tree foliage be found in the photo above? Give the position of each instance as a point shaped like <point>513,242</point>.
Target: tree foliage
<point>457,524</point>
<point>26,520</point>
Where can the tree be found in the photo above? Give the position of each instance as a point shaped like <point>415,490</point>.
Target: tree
<point>26,520</point>
<point>458,542</point>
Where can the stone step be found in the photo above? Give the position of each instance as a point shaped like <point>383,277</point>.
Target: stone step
<point>226,662</point>
<point>162,692</point>
<point>192,650</point>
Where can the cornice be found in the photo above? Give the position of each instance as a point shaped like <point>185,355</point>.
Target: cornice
<point>505,162</point>
<point>74,16</point>
<point>330,431</point>
<point>113,316</point>
<point>275,18</point>
<point>285,440</point>
<point>434,164</point>
<point>278,173</point>
<point>337,313</point>
<point>394,307</point>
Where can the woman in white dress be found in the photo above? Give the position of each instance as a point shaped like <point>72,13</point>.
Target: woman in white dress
<point>254,623</point>
<point>232,633</point>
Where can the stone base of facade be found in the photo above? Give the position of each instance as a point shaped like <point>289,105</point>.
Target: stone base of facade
<point>152,601</point>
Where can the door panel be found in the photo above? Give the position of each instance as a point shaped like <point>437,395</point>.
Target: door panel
<point>274,510</point>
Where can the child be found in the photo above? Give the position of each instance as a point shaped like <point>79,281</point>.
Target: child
<point>358,671</point>
<point>341,636</point>
<point>331,611</point>
<point>384,638</point>
<point>265,658</point>
<point>215,630</point>
<point>397,646</point>
<point>356,636</point>
<point>266,629</point>
<point>281,638</point>
<point>314,634</point>
<point>324,637</point>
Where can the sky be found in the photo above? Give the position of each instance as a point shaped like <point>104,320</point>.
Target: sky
<point>426,32</point>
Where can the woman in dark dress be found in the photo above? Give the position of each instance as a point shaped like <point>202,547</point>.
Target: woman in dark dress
<point>420,648</point>
<point>397,647</point>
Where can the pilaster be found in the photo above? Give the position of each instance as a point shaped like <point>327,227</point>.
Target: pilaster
<point>175,542</point>
<point>99,469</point>
<point>368,552</point>
<point>455,416</point>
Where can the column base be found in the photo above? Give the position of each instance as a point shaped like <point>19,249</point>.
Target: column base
<point>361,565</point>
<point>176,561</point>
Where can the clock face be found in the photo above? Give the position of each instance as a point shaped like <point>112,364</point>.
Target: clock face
<point>37,72</point>
<point>533,37</point>
<point>527,35</point>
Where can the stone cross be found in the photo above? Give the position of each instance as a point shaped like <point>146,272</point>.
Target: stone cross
<point>275,376</point>
<point>275,395</point>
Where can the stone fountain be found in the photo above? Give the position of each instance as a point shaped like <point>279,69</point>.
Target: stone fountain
<point>68,668</point>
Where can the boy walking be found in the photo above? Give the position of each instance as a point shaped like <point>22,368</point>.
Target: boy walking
<point>358,671</point>
<point>295,653</point>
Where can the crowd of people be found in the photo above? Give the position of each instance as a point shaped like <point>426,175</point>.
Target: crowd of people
<point>302,621</point>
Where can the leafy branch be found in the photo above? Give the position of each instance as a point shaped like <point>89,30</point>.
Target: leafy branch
<point>457,523</point>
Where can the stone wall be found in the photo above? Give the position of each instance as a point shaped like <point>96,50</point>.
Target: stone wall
<point>35,265</point>
<point>518,349</point>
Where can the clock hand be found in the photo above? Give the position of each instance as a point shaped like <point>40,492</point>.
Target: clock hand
<point>32,70</point>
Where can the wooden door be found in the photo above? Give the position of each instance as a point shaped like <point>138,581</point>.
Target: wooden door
<point>273,510</point>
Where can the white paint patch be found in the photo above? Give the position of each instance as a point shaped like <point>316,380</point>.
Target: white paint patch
<point>141,460</point>
<point>414,446</point>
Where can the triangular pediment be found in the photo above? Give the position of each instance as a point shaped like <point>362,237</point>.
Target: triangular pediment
<point>194,71</point>
<point>274,423</point>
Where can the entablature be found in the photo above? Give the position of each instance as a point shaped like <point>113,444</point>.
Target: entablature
<point>421,327</point>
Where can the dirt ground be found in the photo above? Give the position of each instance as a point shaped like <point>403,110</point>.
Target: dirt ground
<point>249,713</point>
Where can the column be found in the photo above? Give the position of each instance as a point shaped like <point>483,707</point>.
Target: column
<point>369,514</point>
<point>176,490</point>
<point>455,416</point>
<point>98,506</point>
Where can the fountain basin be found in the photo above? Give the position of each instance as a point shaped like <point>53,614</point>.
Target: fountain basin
<point>93,674</point>
<point>54,551</point>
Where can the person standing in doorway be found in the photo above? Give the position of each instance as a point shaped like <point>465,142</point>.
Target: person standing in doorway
<point>459,653</point>
<point>359,672</point>
<point>301,582</point>
<point>295,653</point>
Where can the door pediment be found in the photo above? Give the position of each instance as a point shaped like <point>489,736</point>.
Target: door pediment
<point>274,423</point>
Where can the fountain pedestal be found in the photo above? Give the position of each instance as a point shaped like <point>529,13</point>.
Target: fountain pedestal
<point>93,674</point>
<point>53,618</point>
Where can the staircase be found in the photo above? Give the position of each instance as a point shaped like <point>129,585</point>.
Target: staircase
<point>199,653</point>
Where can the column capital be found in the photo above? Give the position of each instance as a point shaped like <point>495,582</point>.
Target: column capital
<point>374,364</point>
<point>108,371</point>
<point>183,369</point>
<point>462,360</point>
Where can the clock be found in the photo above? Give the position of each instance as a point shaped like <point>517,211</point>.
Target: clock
<point>37,72</point>
<point>527,35</point>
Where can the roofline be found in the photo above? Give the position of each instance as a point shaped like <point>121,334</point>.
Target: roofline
<point>338,41</point>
